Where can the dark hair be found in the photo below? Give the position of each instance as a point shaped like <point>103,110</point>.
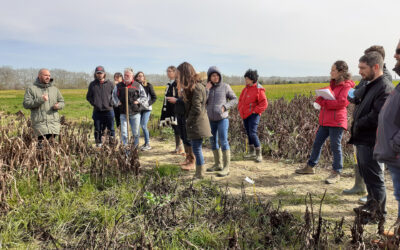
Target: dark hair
<point>118,74</point>
<point>343,69</point>
<point>172,67</point>
<point>376,48</point>
<point>252,75</point>
<point>144,83</point>
<point>187,79</point>
<point>372,58</point>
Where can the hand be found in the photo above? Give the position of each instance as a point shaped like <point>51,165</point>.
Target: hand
<point>171,100</point>
<point>223,109</point>
<point>135,102</point>
<point>209,85</point>
<point>45,97</point>
<point>56,107</point>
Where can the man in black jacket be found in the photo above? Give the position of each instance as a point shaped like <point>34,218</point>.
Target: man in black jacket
<point>363,129</point>
<point>387,147</point>
<point>99,95</point>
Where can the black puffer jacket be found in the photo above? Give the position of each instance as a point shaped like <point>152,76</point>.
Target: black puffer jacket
<point>365,116</point>
<point>99,95</point>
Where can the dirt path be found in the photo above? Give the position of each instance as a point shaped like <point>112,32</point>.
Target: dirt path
<point>277,181</point>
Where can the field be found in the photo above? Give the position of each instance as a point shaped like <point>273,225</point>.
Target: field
<point>74,196</point>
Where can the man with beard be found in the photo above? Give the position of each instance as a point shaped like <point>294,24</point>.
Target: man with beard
<point>99,95</point>
<point>363,132</point>
<point>387,147</point>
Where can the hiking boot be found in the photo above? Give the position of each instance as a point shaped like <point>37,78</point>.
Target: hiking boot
<point>258,155</point>
<point>217,161</point>
<point>359,185</point>
<point>251,154</point>
<point>145,147</point>
<point>369,213</point>
<point>306,170</point>
<point>396,230</point>
<point>226,156</point>
<point>363,200</point>
<point>333,178</point>
<point>199,172</point>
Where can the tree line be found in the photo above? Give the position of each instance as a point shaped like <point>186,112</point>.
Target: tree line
<point>11,78</point>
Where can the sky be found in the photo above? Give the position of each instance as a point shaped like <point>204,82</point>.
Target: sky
<point>278,38</point>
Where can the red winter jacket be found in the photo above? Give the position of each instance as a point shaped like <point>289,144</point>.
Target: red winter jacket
<point>252,100</point>
<point>334,112</point>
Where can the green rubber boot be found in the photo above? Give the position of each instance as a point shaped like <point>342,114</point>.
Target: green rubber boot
<point>226,156</point>
<point>217,161</point>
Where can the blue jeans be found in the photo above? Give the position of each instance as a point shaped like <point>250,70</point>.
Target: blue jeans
<point>197,151</point>
<point>335,134</point>
<point>134,121</point>
<point>103,120</point>
<point>251,126</point>
<point>144,119</point>
<point>395,173</point>
<point>219,131</point>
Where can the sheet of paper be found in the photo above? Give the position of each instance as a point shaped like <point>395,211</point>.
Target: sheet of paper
<point>325,93</point>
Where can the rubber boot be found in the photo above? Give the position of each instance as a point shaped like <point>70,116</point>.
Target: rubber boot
<point>252,153</point>
<point>359,185</point>
<point>258,155</point>
<point>217,161</point>
<point>199,172</point>
<point>226,156</point>
<point>190,159</point>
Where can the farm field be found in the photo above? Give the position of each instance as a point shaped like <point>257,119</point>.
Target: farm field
<point>93,200</point>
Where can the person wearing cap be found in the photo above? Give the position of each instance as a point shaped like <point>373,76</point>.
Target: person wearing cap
<point>99,95</point>
<point>44,100</point>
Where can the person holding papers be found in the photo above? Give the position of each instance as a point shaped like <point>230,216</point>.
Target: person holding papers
<point>332,120</point>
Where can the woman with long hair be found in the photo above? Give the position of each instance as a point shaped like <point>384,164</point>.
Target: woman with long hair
<point>197,123</point>
<point>146,109</point>
<point>332,121</point>
<point>117,79</point>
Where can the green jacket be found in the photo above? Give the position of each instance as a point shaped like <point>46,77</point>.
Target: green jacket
<point>45,119</point>
<point>197,123</point>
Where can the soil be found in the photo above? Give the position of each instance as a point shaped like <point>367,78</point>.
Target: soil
<point>276,180</point>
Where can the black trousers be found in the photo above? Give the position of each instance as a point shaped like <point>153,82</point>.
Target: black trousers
<point>182,130</point>
<point>373,174</point>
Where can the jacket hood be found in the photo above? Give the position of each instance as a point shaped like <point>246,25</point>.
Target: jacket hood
<point>346,83</point>
<point>211,70</point>
<point>42,85</point>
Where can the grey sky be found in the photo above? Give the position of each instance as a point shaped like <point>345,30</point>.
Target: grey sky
<point>284,38</point>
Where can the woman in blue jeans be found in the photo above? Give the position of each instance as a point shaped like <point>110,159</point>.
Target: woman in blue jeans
<point>146,108</point>
<point>332,121</point>
<point>197,123</point>
<point>220,99</point>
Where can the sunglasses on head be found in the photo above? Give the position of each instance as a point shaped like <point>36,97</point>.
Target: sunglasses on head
<point>398,51</point>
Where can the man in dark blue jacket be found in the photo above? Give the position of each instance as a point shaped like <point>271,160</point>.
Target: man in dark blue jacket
<point>99,95</point>
<point>387,147</point>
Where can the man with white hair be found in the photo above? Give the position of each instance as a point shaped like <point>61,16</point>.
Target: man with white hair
<point>44,100</point>
<point>136,98</point>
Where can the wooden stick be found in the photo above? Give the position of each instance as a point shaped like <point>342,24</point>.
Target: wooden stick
<point>127,113</point>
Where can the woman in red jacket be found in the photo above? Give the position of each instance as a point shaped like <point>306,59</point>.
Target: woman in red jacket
<point>252,103</point>
<point>332,122</point>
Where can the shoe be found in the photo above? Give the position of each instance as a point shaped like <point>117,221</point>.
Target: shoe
<point>99,145</point>
<point>368,213</point>
<point>306,170</point>
<point>226,156</point>
<point>359,185</point>
<point>363,200</point>
<point>145,147</point>
<point>190,159</point>
<point>217,161</point>
<point>199,172</point>
<point>333,178</point>
<point>258,155</point>
<point>251,154</point>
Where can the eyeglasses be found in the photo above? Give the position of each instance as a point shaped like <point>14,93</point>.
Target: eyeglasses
<point>398,51</point>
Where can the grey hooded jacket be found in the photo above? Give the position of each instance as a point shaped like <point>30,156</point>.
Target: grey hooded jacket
<point>218,96</point>
<point>387,147</point>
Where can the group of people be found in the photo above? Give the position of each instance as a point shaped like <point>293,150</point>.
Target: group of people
<point>375,128</point>
<point>196,109</point>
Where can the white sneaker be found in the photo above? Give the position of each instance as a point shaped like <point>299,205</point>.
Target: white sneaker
<point>146,147</point>
<point>99,145</point>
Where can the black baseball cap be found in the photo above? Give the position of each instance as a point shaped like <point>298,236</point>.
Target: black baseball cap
<point>99,69</point>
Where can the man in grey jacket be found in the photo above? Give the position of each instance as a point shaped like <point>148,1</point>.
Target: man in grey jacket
<point>387,147</point>
<point>220,99</point>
